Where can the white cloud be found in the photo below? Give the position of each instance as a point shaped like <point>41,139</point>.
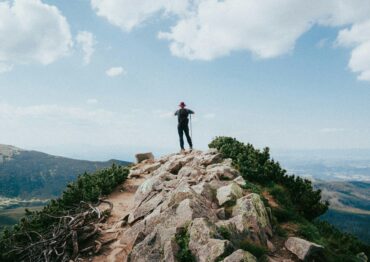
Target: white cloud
<point>127,14</point>
<point>87,42</point>
<point>265,28</point>
<point>32,32</point>
<point>358,37</point>
<point>208,29</point>
<point>115,71</point>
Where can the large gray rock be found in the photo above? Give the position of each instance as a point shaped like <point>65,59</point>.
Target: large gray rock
<point>144,156</point>
<point>148,249</point>
<point>252,207</point>
<point>240,181</point>
<point>240,256</point>
<point>148,168</point>
<point>302,248</point>
<point>231,192</point>
<point>362,257</point>
<point>202,245</point>
<point>222,171</point>
<point>146,189</point>
<point>146,207</point>
<point>204,189</point>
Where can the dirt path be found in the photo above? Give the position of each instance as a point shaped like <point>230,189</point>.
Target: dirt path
<point>123,203</point>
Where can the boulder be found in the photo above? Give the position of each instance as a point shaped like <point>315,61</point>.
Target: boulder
<point>148,168</point>
<point>302,248</point>
<point>135,173</point>
<point>210,158</point>
<point>221,214</point>
<point>252,207</point>
<point>241,227</point>
<point>144,156</point>
<point>204,189</point>
<point>146,188</point>
<point>133,235</point>
<point>231,192</point>
<point>190,172</point>
<point>146,207</point>
<point>240,256</point>
<point>240,181</point>
<point>362,257</point>
<point>222,171</point>
<point>201,243</point>
<point>147,250</point>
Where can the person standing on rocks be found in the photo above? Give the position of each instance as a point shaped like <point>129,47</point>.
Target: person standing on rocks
<point>183,125</point>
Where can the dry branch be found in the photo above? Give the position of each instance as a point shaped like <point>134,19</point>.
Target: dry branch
<point>72,235</point>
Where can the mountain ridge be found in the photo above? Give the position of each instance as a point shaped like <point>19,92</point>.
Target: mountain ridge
<point>29,173</point>
<point>231,203</point>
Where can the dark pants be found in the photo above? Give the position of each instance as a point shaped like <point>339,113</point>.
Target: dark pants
<point>184,129</point>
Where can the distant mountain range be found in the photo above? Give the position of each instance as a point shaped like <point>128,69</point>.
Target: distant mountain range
<point>349,206</point>
<point>31,174</point>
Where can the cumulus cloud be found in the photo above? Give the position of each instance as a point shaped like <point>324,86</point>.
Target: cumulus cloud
<point>87,42</point>
<point>358,37</point>
<point>267,29</point>
<point>115,71</point>
<point>208,29</point>
<point>127,14</point>
<point>32,32</point>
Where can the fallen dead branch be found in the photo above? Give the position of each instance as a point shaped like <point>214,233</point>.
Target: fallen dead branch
<point>70,237</point>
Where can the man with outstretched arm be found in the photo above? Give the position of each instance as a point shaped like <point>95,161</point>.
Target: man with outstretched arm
<point>183,125</point>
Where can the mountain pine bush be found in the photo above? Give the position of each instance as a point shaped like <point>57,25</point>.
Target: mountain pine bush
<point>299,203</point>
<point>87,188</point>
<point>257,166</point>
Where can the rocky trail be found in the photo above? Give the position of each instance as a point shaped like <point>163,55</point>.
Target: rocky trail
<point>199,195</point>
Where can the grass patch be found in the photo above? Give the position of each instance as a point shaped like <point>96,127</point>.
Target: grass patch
<point>252,187</point>
<point>182,239</point>
<point>256,250</point>
<point>224,232</point>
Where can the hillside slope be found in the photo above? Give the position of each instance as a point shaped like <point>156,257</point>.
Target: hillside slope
<point>189,208</point>
<point>27,174</point>
<point>231,203</point>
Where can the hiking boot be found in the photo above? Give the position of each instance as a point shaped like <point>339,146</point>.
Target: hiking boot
<point>182,150</point>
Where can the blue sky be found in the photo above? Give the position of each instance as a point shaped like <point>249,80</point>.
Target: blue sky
<point>311,91</point>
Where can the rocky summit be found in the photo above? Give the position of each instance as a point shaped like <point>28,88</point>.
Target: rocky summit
<point>192,206</point>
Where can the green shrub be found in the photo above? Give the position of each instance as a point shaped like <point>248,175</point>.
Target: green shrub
<point>182,239</point>
<point>252,187</point>
<point>342,243</point>
<point>257,166</point>
<point>87,188</point>
<point>256,250</point>
<point>309,232</point>
<point>224,232</point>
<point>281,232</point>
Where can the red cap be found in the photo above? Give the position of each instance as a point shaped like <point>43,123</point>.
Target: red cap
<point>182,104</point>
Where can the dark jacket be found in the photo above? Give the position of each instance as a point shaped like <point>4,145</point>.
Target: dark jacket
<point>182,116</point>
